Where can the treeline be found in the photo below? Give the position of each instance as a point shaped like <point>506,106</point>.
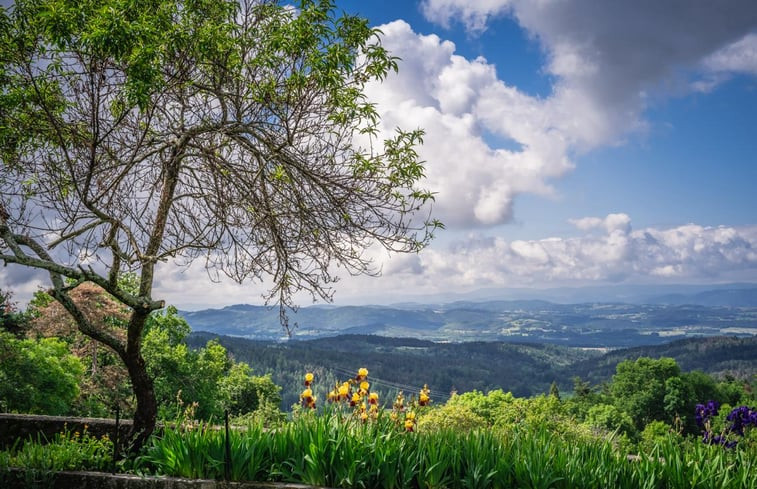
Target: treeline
<point>403,363</point>
<point>525,370</point>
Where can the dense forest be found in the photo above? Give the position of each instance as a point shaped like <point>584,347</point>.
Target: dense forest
<point>524,369</point>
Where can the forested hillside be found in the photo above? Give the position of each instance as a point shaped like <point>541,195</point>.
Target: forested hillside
<point>523,369</point>
<point>716,355</point>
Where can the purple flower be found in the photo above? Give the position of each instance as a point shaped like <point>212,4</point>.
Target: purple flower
<point>703,412</point>
<point>740,418</point>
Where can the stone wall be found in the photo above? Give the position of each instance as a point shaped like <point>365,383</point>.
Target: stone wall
<point>21,427</point>
<point>20,479</point>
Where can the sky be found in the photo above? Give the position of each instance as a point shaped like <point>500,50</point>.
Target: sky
<point>569,143</point>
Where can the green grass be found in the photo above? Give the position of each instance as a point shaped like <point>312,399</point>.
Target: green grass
<point>66,451</point>
<point>336,451</point>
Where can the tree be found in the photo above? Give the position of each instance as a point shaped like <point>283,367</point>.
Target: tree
<point>11,320</point>
<point>37,376</point>
<point>140,131</point>
<point>105,383</point>
<point>554,390</point>
<point>639,388</point>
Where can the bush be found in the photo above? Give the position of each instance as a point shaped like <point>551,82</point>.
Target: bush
<point>453,417</point>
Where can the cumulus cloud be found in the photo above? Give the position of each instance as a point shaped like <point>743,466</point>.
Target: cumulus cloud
<point>613,222</point>
<point>618,254</point>
<point>606,57</point>
<point>458,102</point>
<point>474,15</point>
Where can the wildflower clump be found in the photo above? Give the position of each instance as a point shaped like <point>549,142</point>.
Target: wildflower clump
<point>740,419</point>
<point>365,404</point>
<point>307,399</point>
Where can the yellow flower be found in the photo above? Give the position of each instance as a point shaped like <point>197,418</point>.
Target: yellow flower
<point>307,394</point>
<point>373,398</point>
<point>409,424</point>
<point>344,391</point>
<point>308,378</point>
<point>364,386</point>
<point>410,415</point>
<point>363,416</point>
<point>423,398</point>
<point>355,399</point>
<point>362,373</point>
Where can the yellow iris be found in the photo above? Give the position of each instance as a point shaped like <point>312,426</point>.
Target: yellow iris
<point>373,398</point>
<point>308,378</point>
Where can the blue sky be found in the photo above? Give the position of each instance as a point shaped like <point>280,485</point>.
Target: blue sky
<point>570,143</point>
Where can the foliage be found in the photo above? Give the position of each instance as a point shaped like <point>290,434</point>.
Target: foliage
<point>610,418</point>
<point>105,383</point>
<point>451,417</point>
<point>37,376</point>
<point>639,388</point>
<point>65,451</point>
<point>205,376</point>
<point>486,406</point>
<point>11,319</point>
<point>656,433</point>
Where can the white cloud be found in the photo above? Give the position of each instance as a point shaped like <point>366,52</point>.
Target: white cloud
<point>613,222</point>
<point>606,58</point>
<point>619,254</point>
<point>458,101</point>
<point>473,14</point>
<point>740,56</point>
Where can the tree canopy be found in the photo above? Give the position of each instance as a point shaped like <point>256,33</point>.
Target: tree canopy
<point>141,131</point>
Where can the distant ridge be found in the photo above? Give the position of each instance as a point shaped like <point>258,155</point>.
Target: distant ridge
<point>590,324</point>
<point>725,298</point>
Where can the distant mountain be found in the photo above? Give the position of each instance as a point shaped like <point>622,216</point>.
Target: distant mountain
<point>725,297</point>
<point>626,293</point>
<point>612,325</point>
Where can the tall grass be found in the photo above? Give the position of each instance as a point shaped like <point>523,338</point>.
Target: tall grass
<point>65,451</point>
<point>337,451</point>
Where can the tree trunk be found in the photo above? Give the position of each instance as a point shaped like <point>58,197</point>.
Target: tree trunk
<point>146,412</point>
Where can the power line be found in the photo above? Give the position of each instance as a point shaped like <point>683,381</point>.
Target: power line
<point>386,383</point>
